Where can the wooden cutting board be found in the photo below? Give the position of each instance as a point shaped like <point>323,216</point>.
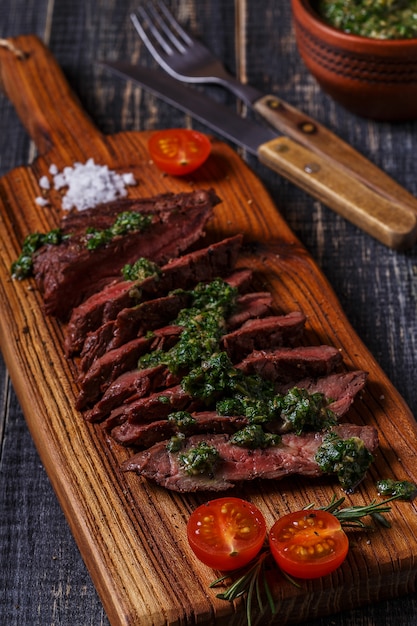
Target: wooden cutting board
<point>131,533</point>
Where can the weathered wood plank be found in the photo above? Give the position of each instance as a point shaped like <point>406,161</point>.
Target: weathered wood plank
<point>48,584</point>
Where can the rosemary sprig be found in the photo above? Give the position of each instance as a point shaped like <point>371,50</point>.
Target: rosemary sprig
<point>352,515</point>
<point>251,581</point>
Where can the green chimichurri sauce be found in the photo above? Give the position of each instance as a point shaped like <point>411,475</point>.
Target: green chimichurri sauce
<point>349,459</point>
<point>377,19</point>
<point>203,325</point>
<point>399,488</point>
<point>201,459</point>
<point>254,436</point>
<point>23,266</point>
<point>125,222</point>
<point>140,269</point>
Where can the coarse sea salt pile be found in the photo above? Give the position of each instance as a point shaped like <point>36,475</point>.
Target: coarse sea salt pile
<point>87,185</point>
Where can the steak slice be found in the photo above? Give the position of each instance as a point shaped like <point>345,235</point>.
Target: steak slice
<point>102,216</point>
<point>265,333</point>
<point>180,273</point>
<point>130,324</point>
<point>131,386</point>
<point>340,388</point>
<point>147,434</point>
<point>154,407</point>
<point>68,273</point>
<point>151,314</point>
<point>295,455</point>
<point>249,306</point>
<point>292,364</point>
<point>107,368</point>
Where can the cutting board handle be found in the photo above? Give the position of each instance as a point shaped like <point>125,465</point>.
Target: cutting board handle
<point>48,108</point>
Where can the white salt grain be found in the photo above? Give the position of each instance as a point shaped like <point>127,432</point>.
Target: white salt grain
<point>129,179</point>
<point>88,184</point>
<point>44,183</point>
<point>41,201</point>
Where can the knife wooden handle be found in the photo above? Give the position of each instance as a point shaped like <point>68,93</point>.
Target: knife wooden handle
<point>319,139</point>
<point>394,223</point>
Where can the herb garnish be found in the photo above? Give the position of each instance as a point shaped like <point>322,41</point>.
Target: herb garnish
<point>182,420</point>
<point>301,410</point>
<point>23,266</point>
<point>200,459</point>
<point>399,488</point>
<point>208,373</point>
<point>203,323</point>
<point>349,459</point>
<point>251,581</point>
<point>125,222</point>
<point>140,269</point>
<point>254,436</point>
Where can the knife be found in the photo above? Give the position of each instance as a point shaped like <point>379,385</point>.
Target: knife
<point>386,211</point>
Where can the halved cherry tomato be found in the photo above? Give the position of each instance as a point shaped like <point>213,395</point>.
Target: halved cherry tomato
<point>179,151</point>
<point>308,544</point>
<point>226,533</point>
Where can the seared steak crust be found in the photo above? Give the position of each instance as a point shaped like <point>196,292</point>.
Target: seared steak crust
<point>69,273</point>
<point>291,364</point>
<point>264,333</point>
<point>295,455</point>
<point>181,273</point>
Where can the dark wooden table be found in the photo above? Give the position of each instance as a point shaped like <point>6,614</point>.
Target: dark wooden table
<point>43,578</point>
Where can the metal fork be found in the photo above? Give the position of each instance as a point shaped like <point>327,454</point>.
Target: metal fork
<point>188,60</point>
<point>184,56</point>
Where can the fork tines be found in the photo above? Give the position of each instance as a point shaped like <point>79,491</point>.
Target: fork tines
<point>157,19</point>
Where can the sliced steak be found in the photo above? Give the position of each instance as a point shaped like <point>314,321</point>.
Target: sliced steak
<point>295,455</point>
<point>107,368</point>
<point>216,260</point>
<point>146,316</point>
<point>148,434</point>
<point>265,333</point>
<point>249,306</point>
<point>181,273</point>
<point>90,314</point>
<point>95,345</point>
<point>154,313</point>
<point>154,407</point>
<point>340,389</point>
<point>102,216</point>
<point>68,273</point>
<point>292,364</point>
<point>129,387</point>
<point>130,324</point>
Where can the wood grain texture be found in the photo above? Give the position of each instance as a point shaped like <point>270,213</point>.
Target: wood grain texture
<point>42,578</point>
<point>131,532</point>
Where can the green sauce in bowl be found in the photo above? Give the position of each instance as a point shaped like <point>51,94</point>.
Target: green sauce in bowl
<point>378,19</point>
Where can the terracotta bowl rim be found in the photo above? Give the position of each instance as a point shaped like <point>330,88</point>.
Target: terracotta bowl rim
<point>339,37</point>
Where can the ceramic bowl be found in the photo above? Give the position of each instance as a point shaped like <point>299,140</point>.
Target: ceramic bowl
<point>372,78</point>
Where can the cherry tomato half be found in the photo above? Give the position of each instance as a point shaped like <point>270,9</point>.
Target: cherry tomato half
<point>226,533</point>
<point>179,151</point>
<point>308,544</point>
